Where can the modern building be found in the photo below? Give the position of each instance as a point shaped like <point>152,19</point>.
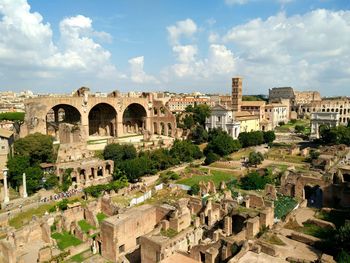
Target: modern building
<point>180,104</point>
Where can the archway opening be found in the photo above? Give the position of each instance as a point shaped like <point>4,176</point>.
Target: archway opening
<point>346,177</point>
<point>134,119</point>
<point>238,223</point>
<point>314,196</point>
<point>169,129</point>
<point>63,122</point>
<point>102,120</point>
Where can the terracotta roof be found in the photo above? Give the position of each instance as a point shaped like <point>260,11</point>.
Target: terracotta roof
<point>5,133</point>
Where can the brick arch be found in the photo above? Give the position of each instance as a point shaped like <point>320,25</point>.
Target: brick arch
<point>102,119</point>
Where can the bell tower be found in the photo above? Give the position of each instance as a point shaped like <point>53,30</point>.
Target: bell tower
<point>237,93</point>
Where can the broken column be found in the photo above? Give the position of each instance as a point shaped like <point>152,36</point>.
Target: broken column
<point>25,195</point>
<point>6,193</point>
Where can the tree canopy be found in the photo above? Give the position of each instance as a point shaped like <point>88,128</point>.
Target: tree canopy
<point>38,147</point>
<point>221,143</point>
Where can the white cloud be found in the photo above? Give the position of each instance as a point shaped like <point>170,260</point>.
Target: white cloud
<point>181,28</point>
<point>137,73</point>
<point>300,50</point>
<point>243,2</point>
<point>236,2</point>
<point>220,61</point>
<point>27,49</point>
<point>213,37</point>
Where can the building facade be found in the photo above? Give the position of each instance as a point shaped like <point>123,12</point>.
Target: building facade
<point>180,104</point>
<point>276,113</point>
<point>223,117</point>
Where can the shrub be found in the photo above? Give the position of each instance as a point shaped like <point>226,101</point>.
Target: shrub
<point>211,157</point>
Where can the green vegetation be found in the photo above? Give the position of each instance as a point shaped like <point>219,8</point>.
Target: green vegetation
<point>25,217</point>
<point>65,240</point>
<point>314,230</point>
<point>283,205</point>
<point>255,158</point>
<point>215,176</point>
<point>12,116</point>
<point>291,125</point>
<point>255,181</point>
<point>30,151</point>
<point>170,233</point>
<point>167,176</point>
<point>273,239</point>
<point>337,217</point>
<point>66,179</point>
<point>100,217</point>
<point>254,98</point>
<point>128,163</point>
<point>256,138</point>
<point>335,135</point>
<point>96,190</point>
<point>85,226</point>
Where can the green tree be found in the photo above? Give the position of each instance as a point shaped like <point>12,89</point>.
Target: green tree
<point>12,116</point>
<point>254,181</point>
<point>221,143</point>
<point>66,179</point>
<point>118,152</point>
<point>211,158</point>
<point>185,151</point>
<point>34,177</point>
<point>299,128</point>
<point>199,135</point>
<point>200,113</point>
<point>255,158</point>
<point>251,138</point>
<point>195,189</point>
<point>188,121</point>
<point>269,136</point>
<point>38,147</point>
<point>51,181</point>
<point>17,166</point>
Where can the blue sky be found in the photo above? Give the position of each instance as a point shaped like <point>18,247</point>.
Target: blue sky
<point>183,46</point>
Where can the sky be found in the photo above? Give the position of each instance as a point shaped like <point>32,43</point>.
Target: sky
<point>58,46</point>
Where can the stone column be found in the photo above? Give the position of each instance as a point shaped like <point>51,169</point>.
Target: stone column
<point>6,193</point>
<point>25,195</point>
<point>103,170</point>
<point>228,225</point>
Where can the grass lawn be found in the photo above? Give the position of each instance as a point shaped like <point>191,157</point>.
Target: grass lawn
<point>291,125</point>
<point>215,175</point>
<point>85,226</point>
<point>316,231</point>
<point>236,156</point>
<point>25,217</point>
<point>310,229</point>
<point>65,240</point>
<point>100,217</point>
<point>283,205</point>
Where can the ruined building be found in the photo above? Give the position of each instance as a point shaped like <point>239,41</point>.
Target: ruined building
<point>80,116</point>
